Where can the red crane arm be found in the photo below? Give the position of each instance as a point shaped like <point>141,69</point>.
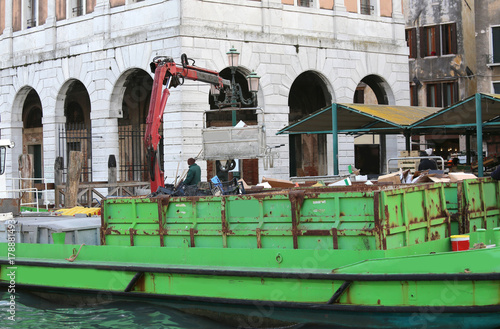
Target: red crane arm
<point>169,74</point>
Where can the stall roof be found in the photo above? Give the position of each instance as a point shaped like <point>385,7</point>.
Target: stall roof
<point>392,119</point>
<point>360,118</point>
<point>478,113</point>
<point>462,116</point>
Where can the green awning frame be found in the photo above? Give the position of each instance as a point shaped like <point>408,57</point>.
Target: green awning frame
<point>476,113</point>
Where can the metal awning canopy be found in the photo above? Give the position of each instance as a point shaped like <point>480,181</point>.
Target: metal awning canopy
<point>360,118</point>
<point>464,115</point>
<point>476,113</point>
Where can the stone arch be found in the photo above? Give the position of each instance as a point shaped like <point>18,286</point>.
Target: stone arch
<point>73,103</point>
<point>18,103</point>
<point>309,92</point>
<point>373,89</point>
<point>75,99</point>
<point>370,150</point>
<point>28,110</point>
<point>130,100</point>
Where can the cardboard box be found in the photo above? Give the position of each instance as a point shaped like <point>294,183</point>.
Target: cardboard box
<point>439,179</point>
<point>393,178</point>
<point>459,176</point>
<point>282,183</point>
<point>423,178</point>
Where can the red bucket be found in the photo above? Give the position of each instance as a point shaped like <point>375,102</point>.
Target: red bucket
<point>459,242</point>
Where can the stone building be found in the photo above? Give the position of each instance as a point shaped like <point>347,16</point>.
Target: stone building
<point>442,60</point>
<point>488,46</point>
<point>488,56</point>
<point>75,75</point>
<point>454,53</point>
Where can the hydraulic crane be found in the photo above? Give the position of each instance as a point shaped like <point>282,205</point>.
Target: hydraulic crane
<point>169,74</point>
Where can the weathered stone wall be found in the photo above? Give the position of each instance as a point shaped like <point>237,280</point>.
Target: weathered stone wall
<point>488,73</point>
<point>420,14</point>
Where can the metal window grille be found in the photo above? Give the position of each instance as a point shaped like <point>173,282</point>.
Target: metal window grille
<point>31,23</point>
<point>76,137</point>
<point>133,165</point>
<point>78,11</point>
<point>305,3</point>
<point>367,9</point>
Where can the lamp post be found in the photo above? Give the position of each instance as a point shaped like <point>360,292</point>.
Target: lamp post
<point>234,96</point>
<point>233,57</point>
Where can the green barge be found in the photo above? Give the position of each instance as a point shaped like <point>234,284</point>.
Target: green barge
<point>357,257</point>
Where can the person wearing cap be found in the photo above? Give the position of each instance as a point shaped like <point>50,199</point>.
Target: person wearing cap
<point>193,176</point>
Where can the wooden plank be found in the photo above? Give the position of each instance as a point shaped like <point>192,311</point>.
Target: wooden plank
<point>26,171</point>
<point>74,170</point>
<point>274,182</point>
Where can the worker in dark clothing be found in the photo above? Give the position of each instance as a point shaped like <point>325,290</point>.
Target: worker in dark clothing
<point>194,173</point>
<point>426,164</point>
<point>496,174</point>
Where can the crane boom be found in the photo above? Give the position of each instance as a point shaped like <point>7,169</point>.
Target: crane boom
<point>170,74</point>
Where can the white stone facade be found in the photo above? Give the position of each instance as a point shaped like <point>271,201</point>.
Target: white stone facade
<point>278,41</point>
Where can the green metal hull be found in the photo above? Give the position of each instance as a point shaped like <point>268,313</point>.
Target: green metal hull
<point>257,314</point>
<point>373,258</point>
<point>381,285</point>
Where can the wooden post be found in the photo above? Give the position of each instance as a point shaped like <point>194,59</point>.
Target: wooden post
<point>112,175</point>
<point>74,171</point>
<point>58,179</point>
<point>26,171</point>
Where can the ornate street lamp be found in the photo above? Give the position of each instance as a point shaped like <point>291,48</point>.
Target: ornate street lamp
<point>234,96</point>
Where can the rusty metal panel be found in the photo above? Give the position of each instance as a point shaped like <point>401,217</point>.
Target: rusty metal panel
<point>481,208</point>
<point>414,215</point>
<point>349,218</point>
<point>10,205</point>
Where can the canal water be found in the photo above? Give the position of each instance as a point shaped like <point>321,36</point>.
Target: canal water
<point>34,312</point>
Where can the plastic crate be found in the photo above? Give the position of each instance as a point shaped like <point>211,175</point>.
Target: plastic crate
<point>219,187</point>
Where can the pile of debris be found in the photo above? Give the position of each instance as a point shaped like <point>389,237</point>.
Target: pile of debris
<point>425,176</point>
<point>234,187</point>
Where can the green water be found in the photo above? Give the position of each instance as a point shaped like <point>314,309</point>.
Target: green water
<point>34,312</point>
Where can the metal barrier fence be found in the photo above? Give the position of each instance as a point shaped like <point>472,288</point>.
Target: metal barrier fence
<point>91,194</point>
<point>18,192</point>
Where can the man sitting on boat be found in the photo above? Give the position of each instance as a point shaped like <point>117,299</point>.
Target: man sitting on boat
<point>194,173</point>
